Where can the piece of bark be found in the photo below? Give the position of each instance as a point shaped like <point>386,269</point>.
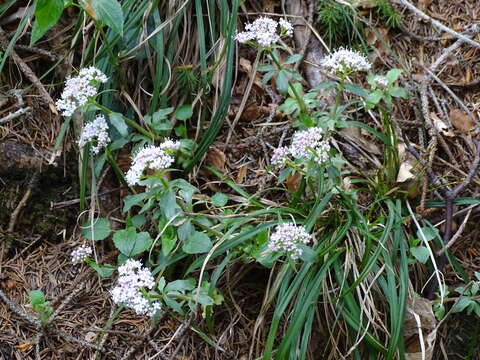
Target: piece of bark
<point>314,52</point>
<point>16,157</point>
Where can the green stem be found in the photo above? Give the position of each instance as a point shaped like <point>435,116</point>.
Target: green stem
<point>132,123</point>
<point>116,169</point>
<point>301,103</point>
<point>338,99</point>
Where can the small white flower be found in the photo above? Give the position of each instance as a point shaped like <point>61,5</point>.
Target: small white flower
<point>96,133</point>
<point>286,27</point>
<point>280,156</point>
<point>309,144</point>
<point>152,157</point>
<point>81,253</point>
<point>345,61</point>
<point>381,81</point>
<point>264,31</point>
<point>133,277</point>
<point>78,89</point>
<point>287,238</point>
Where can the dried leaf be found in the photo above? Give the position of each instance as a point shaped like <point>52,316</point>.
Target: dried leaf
<point>419,316</point>
<point>245,65</point>
<point>440,125</point>
<point>24,347</point>
<point>424,4</point>
<point>404,172</point>
<point>461,121</point>
<point>216,158</point>
<point>90,336</point>
<point>242,172</point>
<point>293,181</point>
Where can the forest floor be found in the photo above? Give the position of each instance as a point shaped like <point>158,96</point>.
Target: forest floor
<point>38,233</point>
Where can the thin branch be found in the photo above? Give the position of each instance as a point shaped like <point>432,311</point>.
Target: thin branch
<point>15,114</point>
<point>440,25</point>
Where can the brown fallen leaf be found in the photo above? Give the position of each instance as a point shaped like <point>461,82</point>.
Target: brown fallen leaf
<point>293,181</point>
<point>440,125</point>
<point>216,158</point>
<point>419,316</point>
<point>245,65</point>
<point>242,172</point>
<point>461,121</point>
<point>424,4</point>
<point>24,347</point>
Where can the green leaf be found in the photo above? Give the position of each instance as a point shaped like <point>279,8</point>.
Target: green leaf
<point>184,112</point>
<point>117,121</point>
<point>132,200</point>
<point>293,59</point>
<point>398,92</point>
<point>173,304</point>
<point>429,233</point>
<point>282,81</point>
<point>36,297</point>
<point>357,90</point>
<point>219,199</point>
<point>138,221</point>
<point>198,243</point>
<point>47,14</point>
<point>180,285</point>
<point>168,204</point>
<point>374,97</point>
<point>99,231</point>
<point>393,75</point>
<point>420,253</point>
<point>289,106</point>
<point>102,270</point>
<point>110,13</point>
<point>461,304</point>
<point>169,240</point>
<point>131,243</point>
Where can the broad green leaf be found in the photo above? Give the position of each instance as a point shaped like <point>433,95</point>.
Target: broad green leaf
<point>398,92</point>
<point>169,240</point>
<point>461,304</point>
<point>131,243</point>
<point>293,59</point>
<point>36,297</point>
<point>198,243</point>
<point>180,285</point>
<point>138,221</point>
<point>420,253</point>
<point>393,75</point>
<point>184,112</point>
<point>117,121</point>
<point>102,270</point>
<point>219,199</point>
<point>429,233</point>
<point>357,90</point>
<point>110,13</point>
<point>99,231</point>
<point>282,81</point>
<point>174,305</point>
<point>168,204</point>
<point>132,200</point>
<point>374,97</point>
<point>47,14</point>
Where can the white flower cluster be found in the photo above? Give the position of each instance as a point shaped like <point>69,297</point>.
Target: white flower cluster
<point>96,133</point>
<point>133,277</point>
<point>287,237</point>
<point>306,144</point>
<point>264,31</point>
<point>152,157</point>
<point>345,61</point>
<point>381,81</point>
<point>81,253</point>
<point>78,89</point>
